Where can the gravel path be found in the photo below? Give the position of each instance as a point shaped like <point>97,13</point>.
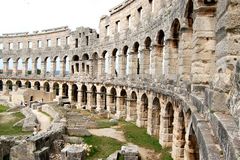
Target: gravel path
<point>43,120</point>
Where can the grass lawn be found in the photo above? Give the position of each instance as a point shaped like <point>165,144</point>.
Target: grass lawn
<point>102,146</point>
<point>140,137</point>
<point>8,129</point>
<point>3,108</point>
<point>105,123</point>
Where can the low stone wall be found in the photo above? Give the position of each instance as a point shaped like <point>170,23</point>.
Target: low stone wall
<point>5,145</point>
<point>30,121</point>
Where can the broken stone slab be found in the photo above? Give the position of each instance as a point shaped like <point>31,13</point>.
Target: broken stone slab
<point>78,131</point>
<point>130,152</point>
<point>71,152</point>
<point>73,140</point>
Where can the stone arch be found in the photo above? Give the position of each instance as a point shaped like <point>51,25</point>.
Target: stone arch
<point>145,58</point>
<point>191,150</point>
<point>56,65</point>
<point>85,63</point>
<point>19,84</point>
<point>46,87</point>
<point>103,96</point>
<point>112,63</point>
<point>159,54</point>
<point>1,66</point>
<point>123,62</point>
<point>84,94</point>
<point>1,85</point>
<point>65,90</point>
<point>9,85</point>
<point>38,65</point>
<point>74,93</point>
<point>143,114</point>
<point>94,96</point>
<point>28,84</point>
<point>65,66</point>
<point>10,65</point>
<point>104,62</point>
<point>134,65</point>
<point>56,89</point>
<point>122,105</point>
<point>95,63</point>
<point>132,109</point>
<point>156,112</point>
<point>19,65</point>
<point>75,64</point>
<point>112,100</point>
<point>166,126</point>
<point>37,85</point>
<point>47,63</point>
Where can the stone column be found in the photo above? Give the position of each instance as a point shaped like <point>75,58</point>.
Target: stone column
<point>128,116</point>
<point>118,104</point>
<point>62,69</point>
<point>111,68</point>
<point>133,57</point>
<point>99,102</point>
<point>203,56</point>
<point>70,93</point>
<point>178,137</point>
<point>150,120</point>
<point>122,66</point>
<point>34,68</point>
<point>101,64</point>
<point>60,90</point>
<point>156,62</point>
<point>80,99</point>
<point>14,68</point>
<point>138,121</point>
<point>144,62</point>
<point>53,68</point>
<point>89,100</point>
<point>110,105</point>
<point>43,70</point>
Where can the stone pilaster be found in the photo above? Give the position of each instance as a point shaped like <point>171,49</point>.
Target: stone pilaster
<point>144,62</point>
<point>43,68</point>
<point>101,64</point>
<point>53,68</point>
<point>5,67</point>
<point>62,69</point>
<point>14,68</point>
<point>80,97</point>
<point>133,57</point>
<point>89,100</point>
<point>24,69</point>
<point>34,68</point>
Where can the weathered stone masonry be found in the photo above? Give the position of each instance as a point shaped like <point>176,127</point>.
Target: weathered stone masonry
<point>170,66</point>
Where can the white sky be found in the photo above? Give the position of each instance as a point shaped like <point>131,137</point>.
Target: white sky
<point>31,15</point>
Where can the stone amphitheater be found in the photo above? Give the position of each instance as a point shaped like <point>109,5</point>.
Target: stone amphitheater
<point>171,66</point>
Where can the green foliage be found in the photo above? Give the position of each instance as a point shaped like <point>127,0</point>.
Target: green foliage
<point>102,146</point>
<point>3,108</point>
<point>105,123</point>
<point>8,129</point>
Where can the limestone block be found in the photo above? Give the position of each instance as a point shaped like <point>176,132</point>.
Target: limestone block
<point>78,131</point>
<point>73,152</point>
<point>130,152</point>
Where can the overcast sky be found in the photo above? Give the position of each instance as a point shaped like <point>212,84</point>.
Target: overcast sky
<point>31,15</point>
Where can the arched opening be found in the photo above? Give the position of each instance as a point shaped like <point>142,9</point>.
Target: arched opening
<point>156,117</point>
<point>1,85</point>
<point>19,84</point>
<point>95,64</point>
<point>37,85</point>
<point>56,66</point>
<point>75,64</point>
<point>94,96</point>
<point>112,63</point>
<point>103,92</point>
<point>74,93</point>
<point>19,66</point>
<point>56,89</point>
<point>29,66</point>
<point>191,148</point>
<point>122,103</point>
<point>132,111</point>
<point>10,65</point>
<point>84,94</point>
<point>66,66</point>
<point>48,65</point>
<point>85,64</point>
<point>1,66</point>
<point>112,100</point>
<point>158,60</point>
<point>65,90</point>
<point>136,66</point>
<point>104,62</point>
<point>28,84</point>
<point>38,65</point>
<point>166,131</point>
<point>46,87</point>
<point>123,71</point>
<point>143,116</point>
<point>9,85</point>
<point>173,49</point>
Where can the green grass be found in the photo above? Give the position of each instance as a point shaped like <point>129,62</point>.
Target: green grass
<point>102,146</point>
<point>140,137</point>
<point>3,108</point>
<point>8,129</point>
<point>46,114</point>
<point>105,123</point>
